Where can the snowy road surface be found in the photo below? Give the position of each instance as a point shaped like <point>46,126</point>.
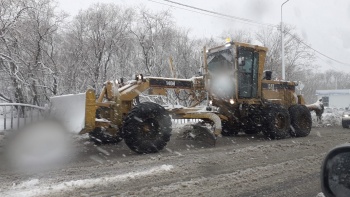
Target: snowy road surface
<point>237,166</point>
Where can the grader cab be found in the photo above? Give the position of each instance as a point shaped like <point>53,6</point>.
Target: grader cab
<point>247,96</point>
<point>233,95</point>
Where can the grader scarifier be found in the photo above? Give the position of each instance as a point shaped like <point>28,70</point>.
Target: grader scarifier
<point>233,94</point>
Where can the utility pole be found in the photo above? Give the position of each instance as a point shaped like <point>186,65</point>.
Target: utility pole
<point>282,46</point>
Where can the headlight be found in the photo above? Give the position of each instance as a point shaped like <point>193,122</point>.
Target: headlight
<point>232,101</point>
<point>346,115</point>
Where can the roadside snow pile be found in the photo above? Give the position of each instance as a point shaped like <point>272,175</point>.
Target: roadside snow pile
<point>329,119</point>
<point>28,184</point>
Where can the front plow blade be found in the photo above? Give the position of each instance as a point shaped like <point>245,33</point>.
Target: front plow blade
<point>70,110</point>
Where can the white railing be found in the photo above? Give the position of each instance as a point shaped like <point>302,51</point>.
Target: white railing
<point>15,115</point>
<point>184,121</point>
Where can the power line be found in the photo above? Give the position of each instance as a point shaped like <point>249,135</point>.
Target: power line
<point>220,14</point>
<point>188,10</point>
<point>248,21</point>
<point>320,53</point>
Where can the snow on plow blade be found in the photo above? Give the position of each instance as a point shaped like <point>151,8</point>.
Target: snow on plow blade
<point>198,132</point>
<point>70,110</point>
<point>201,133</point>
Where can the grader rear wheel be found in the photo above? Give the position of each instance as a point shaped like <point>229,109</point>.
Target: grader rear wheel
<point>147,128</point>
<point>277,122</point>
<point>251,131</point>
<point>301,121</point>
<point>228,129</point>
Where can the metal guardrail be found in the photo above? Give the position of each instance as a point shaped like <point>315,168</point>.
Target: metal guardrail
<point>18,111</point>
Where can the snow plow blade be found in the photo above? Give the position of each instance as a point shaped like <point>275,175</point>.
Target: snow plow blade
<point>70,110</point>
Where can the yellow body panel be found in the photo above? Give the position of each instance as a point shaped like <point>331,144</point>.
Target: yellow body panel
<point>90,111</point>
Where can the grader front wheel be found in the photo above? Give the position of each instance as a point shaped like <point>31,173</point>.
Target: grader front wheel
<point>147,128</point>
<point>100,136</point>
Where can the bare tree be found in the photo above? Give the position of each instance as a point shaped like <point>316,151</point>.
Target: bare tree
<point>27,43</point>
<point>94,38</point>
<point>299,58</point>
<point>154,35</point>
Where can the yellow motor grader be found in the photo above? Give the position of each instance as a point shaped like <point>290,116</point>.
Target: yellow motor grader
<point>234,94</point>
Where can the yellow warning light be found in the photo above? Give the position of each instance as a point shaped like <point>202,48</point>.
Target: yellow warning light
<point>228,42</point>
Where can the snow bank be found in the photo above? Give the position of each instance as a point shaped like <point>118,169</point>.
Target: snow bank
<point>328,119</point>
<point>29,183</point>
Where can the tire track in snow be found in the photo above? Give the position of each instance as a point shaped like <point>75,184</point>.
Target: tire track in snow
<point>237,182</point>
<point>36,188</point>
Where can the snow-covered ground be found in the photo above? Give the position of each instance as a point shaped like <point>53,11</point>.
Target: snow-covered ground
<point>240,166</point>
<point>243,165</point>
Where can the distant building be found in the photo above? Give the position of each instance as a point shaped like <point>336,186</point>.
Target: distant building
<point>334,98</point>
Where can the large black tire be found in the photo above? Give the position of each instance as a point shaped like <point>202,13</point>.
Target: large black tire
<point>147,128</point>
<point>277,122</point>
<point>251,128</point>
<point>251,131</point>
<point>228,129</point>
<point>301,121</point>
<point>98,136</point>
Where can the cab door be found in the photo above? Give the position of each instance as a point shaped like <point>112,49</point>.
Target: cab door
<point>248,65</point>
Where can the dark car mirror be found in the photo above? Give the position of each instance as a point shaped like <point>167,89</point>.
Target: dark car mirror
<point>335,174</point>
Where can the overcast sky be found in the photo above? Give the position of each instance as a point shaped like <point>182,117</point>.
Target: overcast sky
<point>324,24</point>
